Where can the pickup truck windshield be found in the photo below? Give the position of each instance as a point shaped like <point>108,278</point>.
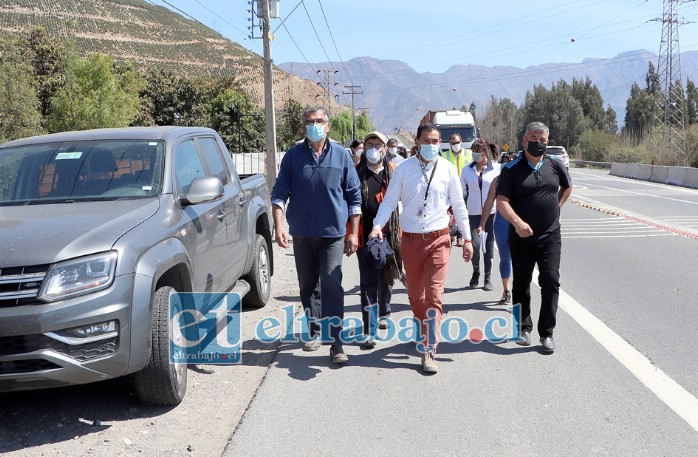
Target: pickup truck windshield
<point>81,170</point>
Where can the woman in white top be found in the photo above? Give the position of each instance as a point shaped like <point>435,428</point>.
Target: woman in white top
<point>476,179</point>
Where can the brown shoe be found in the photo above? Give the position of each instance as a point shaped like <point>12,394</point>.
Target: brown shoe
<point>429,363</point>
<point>459,242</point>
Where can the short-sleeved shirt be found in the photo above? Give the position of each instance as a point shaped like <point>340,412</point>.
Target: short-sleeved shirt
<point>534,200</point>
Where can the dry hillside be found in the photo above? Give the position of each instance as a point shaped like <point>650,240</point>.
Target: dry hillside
<point>152,37</point>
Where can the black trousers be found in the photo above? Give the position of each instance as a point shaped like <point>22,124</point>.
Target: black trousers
<point>319,269</point>
<point>477,243</point>
<point>525,255</point>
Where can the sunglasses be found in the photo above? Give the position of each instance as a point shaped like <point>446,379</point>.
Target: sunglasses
<point>539,178</point>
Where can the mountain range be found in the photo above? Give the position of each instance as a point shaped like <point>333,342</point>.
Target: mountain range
<point>397,96</point>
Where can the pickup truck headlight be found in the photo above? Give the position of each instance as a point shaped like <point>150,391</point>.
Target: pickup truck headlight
<point>78,276</point>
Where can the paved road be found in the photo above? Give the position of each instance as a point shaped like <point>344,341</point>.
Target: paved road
<point>624,369</point>
<point>597,395</point>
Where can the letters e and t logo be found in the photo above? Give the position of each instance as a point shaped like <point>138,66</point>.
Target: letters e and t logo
<point>205,328</point>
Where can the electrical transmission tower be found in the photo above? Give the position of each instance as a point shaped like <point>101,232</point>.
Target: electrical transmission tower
<point>327,84</point>
<point>668,133</point>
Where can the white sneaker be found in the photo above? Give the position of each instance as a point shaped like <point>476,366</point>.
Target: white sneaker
<point>429,362</point>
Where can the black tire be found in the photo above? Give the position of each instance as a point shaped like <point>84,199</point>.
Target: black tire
<point>161,383</point>
<point>259,277</point>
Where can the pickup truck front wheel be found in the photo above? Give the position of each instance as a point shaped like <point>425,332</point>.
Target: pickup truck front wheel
<point>161,383</point>
<point>259,276</point>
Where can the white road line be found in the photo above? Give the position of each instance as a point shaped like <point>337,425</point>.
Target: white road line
<point>659,383</point>
<point>638,181</point>
<point>646,195</point>
<point>617,236</point>
<point>669,391</point>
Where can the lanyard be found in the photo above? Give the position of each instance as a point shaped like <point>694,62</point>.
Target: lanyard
<point>433,170</point>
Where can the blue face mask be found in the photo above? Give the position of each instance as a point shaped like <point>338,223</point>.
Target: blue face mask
<point>315,131</point>
<point>428,151</point>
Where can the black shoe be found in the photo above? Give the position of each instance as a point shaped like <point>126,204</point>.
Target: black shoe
<point>475,279</point>
<point>488,285</point>
<point>548,344</point>
<point>524,338</point>
<point>337,355</point>
<point>506,298</point>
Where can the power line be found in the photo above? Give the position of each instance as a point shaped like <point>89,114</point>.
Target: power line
<point>297,47</point>
<point>335,45</point>
<point>318,36</point>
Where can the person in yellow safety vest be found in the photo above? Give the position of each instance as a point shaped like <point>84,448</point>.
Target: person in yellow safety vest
<point>460,158</point>
<point>457,155</point>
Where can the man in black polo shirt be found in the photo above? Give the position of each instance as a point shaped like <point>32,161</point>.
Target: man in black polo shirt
<point>530,192</point>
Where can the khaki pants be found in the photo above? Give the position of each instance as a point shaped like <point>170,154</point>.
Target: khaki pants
<point>426,265</point>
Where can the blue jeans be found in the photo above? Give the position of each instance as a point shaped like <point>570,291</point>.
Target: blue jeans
<point>375,291</point>
<point>501,235</point>
<point>320,259</point>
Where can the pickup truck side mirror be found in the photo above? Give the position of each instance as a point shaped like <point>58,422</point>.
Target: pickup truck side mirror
<point>202,190</point>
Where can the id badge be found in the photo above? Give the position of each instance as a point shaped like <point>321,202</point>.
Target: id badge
<point>379,197</point>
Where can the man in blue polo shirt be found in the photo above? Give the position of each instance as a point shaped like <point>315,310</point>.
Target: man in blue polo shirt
<point>318,190</point>
<point>530,192</point>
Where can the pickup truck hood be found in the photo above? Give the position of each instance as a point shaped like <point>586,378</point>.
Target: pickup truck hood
<point>41,234</point>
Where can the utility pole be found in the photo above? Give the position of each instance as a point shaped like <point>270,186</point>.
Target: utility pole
<point>326,83</point>
<point>353,92</point>
<point>269,98</point>
<point>668,134</point>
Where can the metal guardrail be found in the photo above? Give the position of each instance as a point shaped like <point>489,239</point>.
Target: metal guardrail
<point>588,163</point>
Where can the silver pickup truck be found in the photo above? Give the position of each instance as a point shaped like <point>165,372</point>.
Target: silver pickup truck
<point>97,229</point>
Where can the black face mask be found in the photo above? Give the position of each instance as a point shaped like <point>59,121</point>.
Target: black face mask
<point>535,148</point>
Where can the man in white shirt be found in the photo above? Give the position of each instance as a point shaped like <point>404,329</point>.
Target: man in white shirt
<point>427,185</point>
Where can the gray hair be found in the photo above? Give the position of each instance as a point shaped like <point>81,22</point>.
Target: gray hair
<point>316,109</point>
<point>537,127</point>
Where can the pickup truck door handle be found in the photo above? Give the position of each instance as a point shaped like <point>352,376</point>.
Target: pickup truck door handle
<point>221,215</point>
<point>242,201</point>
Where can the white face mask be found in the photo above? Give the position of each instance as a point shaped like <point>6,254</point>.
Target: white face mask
<point>456,147</point>
<point>358,152</point>
<point>477,156</point>
<point>373,156</point>
<point>392,151</point>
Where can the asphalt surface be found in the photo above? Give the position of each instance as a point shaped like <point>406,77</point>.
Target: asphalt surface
<point>506,400</point>
<point>622,382</point>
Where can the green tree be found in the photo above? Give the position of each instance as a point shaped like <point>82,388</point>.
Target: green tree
<point>48,59</point>
<point>566,116</point>
<point>363,125</point>
<point>500,122</point>
<point>558,109</point>
<point>691,101</point>
<point>94,95</point>
<point>596,145</point>
<point>290,126</point>
<point>19,105</point>
<point>340,127</point>
<point>639,113</point>
<point>589,98</point>
<point>240,124</point>
<point>610,124</point>
<point>170,99</point>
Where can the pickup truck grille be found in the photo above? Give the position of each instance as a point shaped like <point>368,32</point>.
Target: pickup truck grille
<point>19,286</point>
<point>26,366</point>
<point>22,344</point>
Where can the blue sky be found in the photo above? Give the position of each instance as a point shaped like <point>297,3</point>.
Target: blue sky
<point>434,35</point>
